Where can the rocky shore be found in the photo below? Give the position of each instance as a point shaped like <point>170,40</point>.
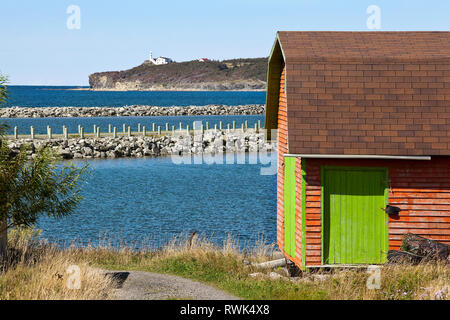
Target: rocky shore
<point>126,111</point>
<point>210,142</point>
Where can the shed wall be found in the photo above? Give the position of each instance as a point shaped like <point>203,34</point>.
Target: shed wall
<point>420,188</point>
<point>282,149</point>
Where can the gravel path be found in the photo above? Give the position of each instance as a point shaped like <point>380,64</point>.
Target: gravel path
<point>139,285</point>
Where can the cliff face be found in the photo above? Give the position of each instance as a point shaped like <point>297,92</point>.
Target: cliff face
<point>237,74</point>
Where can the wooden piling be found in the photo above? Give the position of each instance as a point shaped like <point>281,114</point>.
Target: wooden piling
<point>114,132</point>
<point>129,131</point>
<point>144,131</point>
<point>15,133</point>
<point>109,128</point>
<point>32,132</point>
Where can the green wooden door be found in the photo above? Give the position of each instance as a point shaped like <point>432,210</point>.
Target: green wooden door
<point>355,228</point>
<point>289,206</point>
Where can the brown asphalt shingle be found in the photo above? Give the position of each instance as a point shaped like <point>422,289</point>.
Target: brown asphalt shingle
<point>383,93</point>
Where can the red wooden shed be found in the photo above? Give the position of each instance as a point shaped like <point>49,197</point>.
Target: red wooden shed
<point>363,122</point>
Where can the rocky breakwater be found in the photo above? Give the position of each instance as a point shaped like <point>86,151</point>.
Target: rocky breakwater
<point>139,146</point>
<point>126,111</point>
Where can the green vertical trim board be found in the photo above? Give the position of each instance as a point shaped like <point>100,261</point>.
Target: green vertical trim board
<point>303,177</point>
<point>289,206</point>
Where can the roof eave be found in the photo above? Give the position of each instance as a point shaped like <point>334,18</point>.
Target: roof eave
<point>273,85</point>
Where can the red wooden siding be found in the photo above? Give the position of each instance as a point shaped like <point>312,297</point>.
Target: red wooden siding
<point>282,149</point>
<point>313,222</point>
<point>420,188</point>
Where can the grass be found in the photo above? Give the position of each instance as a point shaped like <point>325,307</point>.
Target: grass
<point>39,271</point>
<point>221,267</point>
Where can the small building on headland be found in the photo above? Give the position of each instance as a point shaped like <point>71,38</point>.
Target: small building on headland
<point>203,60</point>
<point>159,60</point>
<point>363,122</point>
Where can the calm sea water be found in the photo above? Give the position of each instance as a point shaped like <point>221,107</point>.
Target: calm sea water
<point>153,198</point>
<point>42,96</point>
<point>40,124</point>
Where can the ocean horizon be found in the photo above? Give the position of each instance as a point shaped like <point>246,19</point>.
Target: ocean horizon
<point>65,96</point>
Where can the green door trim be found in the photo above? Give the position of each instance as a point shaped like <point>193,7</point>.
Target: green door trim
<point>303,177</point>
<point>289,206</point>
<point>322,213</point>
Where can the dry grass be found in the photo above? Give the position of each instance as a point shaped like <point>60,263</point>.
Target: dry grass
<point>398,282</point>
<point>222,266</point>
<point>41,272</point>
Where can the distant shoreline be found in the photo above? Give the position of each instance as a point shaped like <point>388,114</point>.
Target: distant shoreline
<point>81,88</point>
<point>148,90</point>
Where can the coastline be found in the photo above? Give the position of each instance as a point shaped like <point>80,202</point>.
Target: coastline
<point>158,89</point>
<point>134,110</point>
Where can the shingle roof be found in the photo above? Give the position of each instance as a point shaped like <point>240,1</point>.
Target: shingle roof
<point>381,93</point>
<point>363,46</point>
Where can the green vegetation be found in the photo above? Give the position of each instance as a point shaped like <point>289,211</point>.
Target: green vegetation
<point>41,273</point>
<point>33,187</point>
<point>223,268</point>
<point>3,97</point>
<point>3,89</point>
<point>233,74</point>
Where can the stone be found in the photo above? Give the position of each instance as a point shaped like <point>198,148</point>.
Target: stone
<point>274,275</point>
<point>134,110</point>
<point>256,275</point>
<point>211,143</point>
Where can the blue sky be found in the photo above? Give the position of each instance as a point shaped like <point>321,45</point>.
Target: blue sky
<point>37,47</point>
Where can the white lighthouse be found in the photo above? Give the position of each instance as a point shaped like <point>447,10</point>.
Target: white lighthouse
<point>159,60</point>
